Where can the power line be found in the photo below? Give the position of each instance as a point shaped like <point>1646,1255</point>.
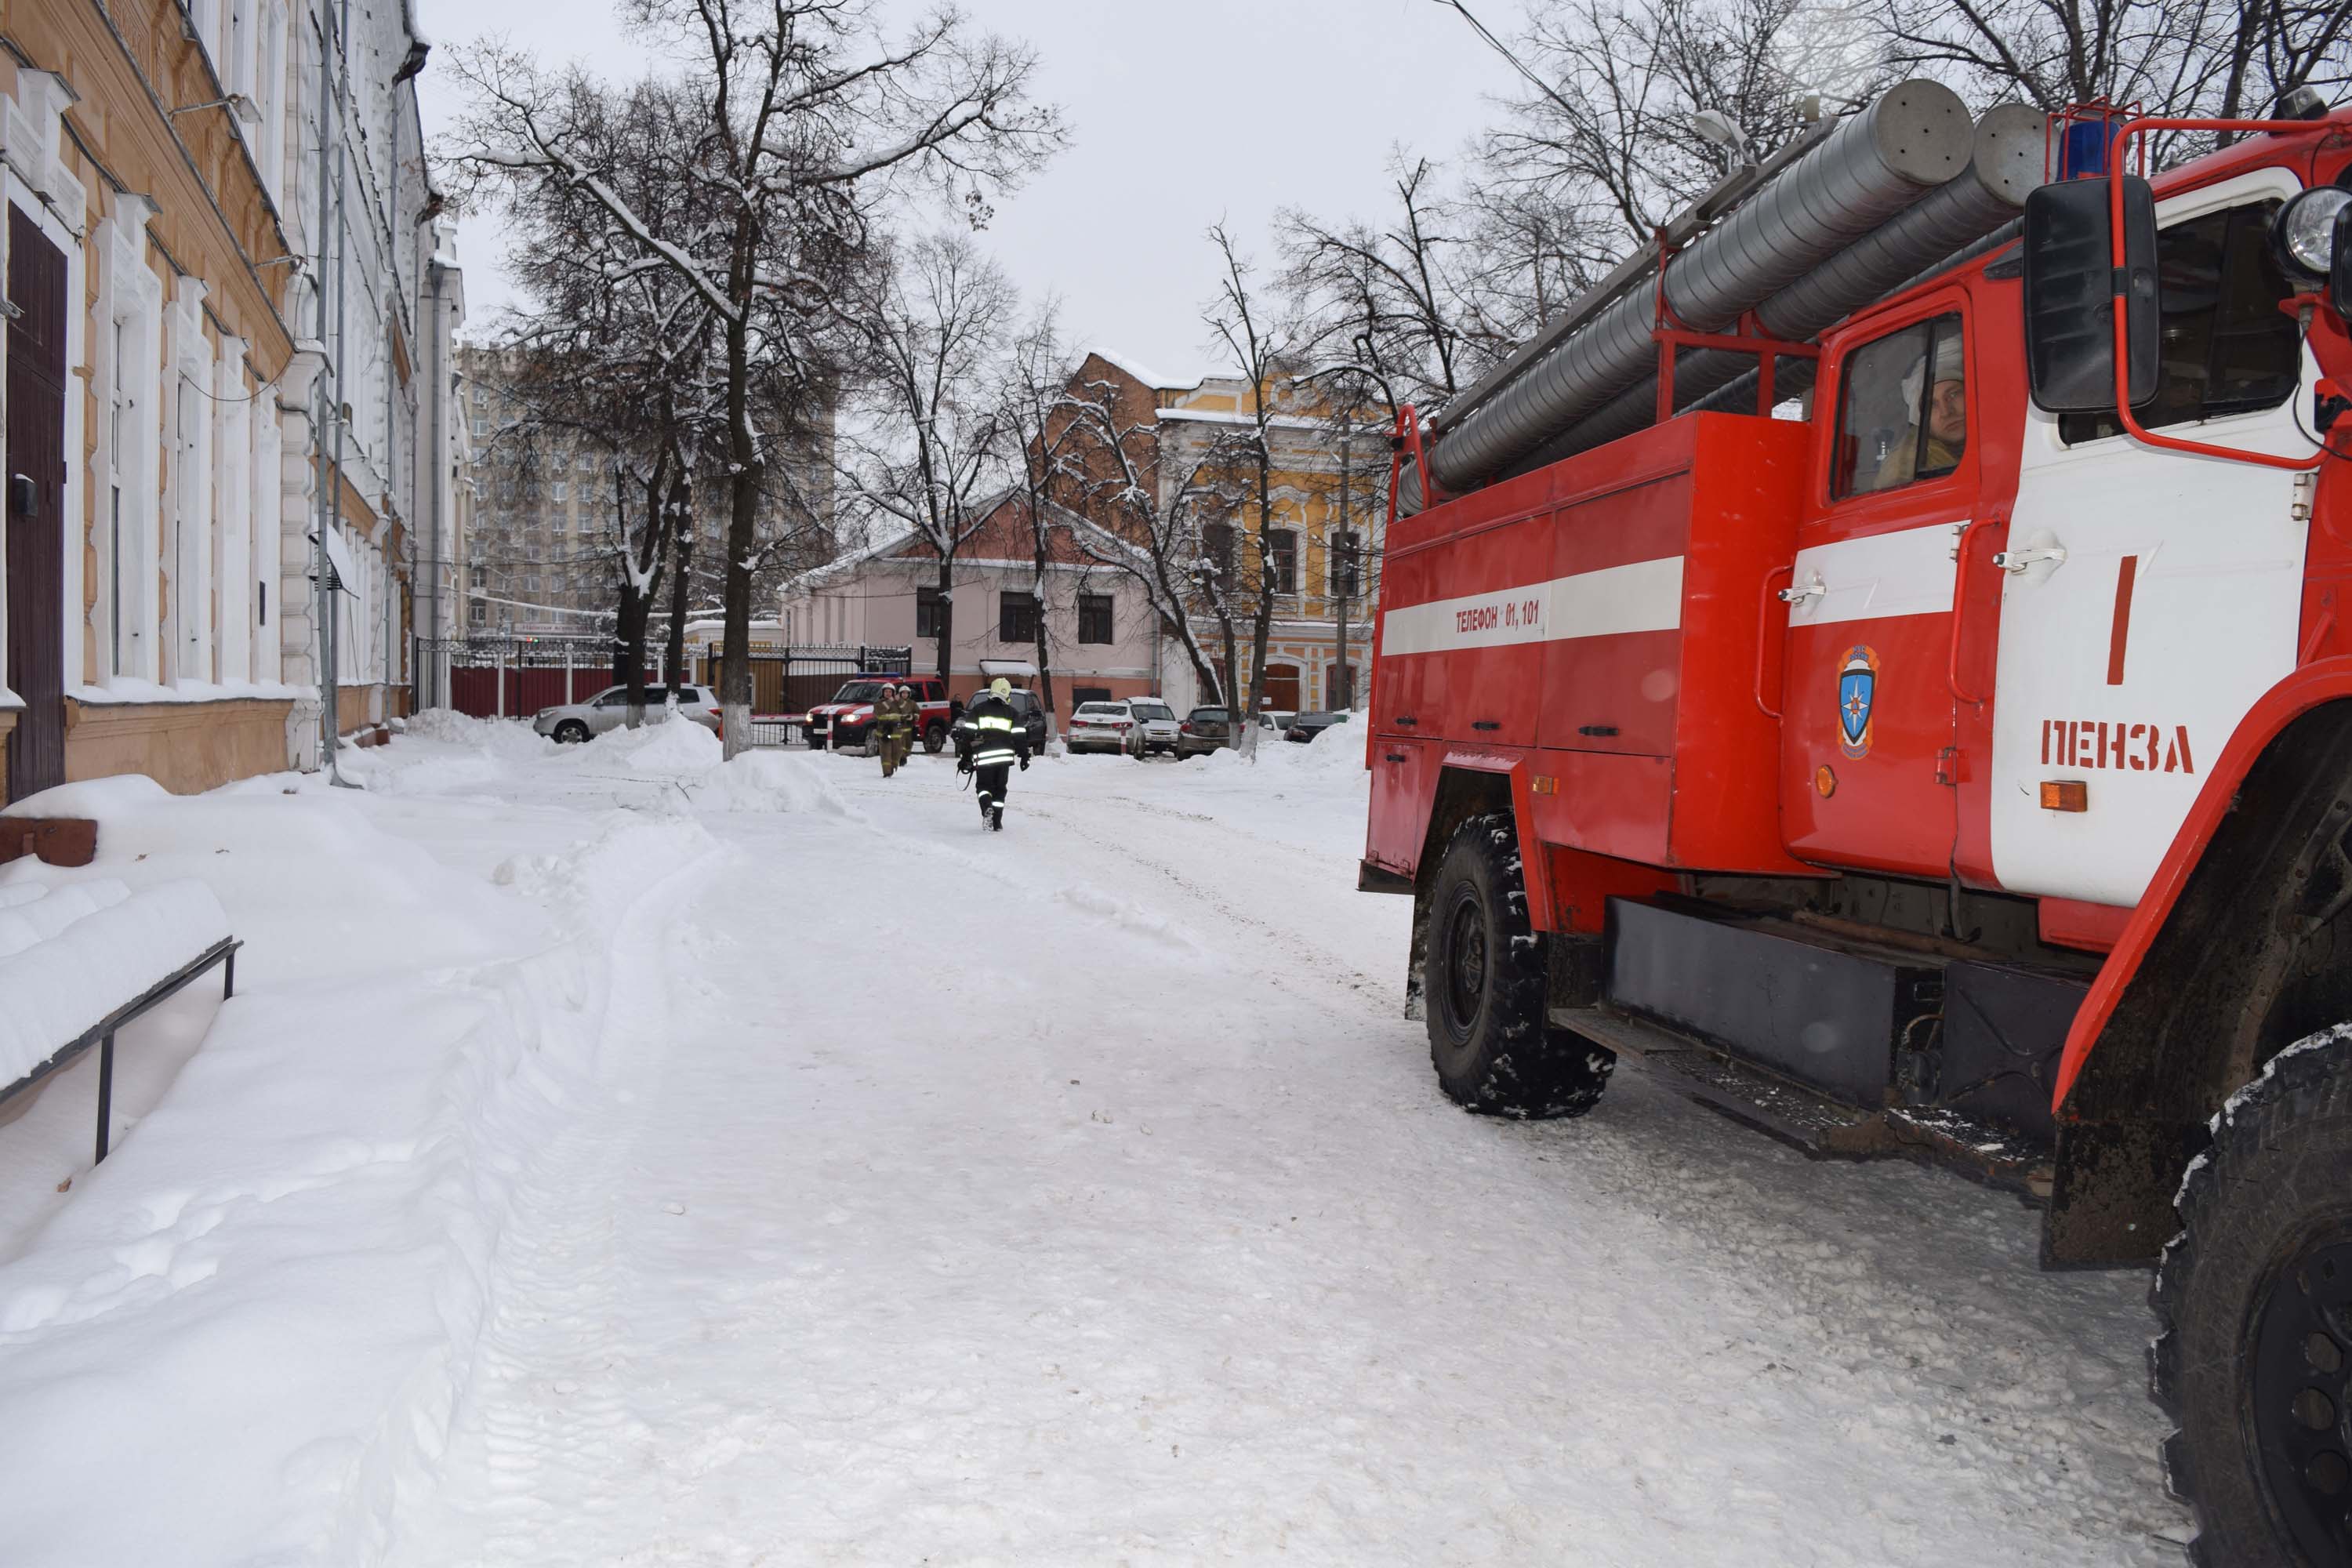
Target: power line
<point>1504,49</point>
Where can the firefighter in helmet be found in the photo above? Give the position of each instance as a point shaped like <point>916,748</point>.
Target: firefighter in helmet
<point>894,721</point>
<point>989,739</point>
<point>1946,417</point>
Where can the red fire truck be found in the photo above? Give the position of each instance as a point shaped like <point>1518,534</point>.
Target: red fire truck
<point>1961,768</point>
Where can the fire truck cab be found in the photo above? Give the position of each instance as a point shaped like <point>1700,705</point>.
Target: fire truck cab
<point>1957,765</point>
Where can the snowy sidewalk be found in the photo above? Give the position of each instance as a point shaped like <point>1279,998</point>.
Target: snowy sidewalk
<point>1078,1195</point>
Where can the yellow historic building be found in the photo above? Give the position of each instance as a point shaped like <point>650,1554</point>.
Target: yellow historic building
<point>183,425</point>
<point>1328,481</point>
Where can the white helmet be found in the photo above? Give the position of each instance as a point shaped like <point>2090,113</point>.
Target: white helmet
<point>999,688</point>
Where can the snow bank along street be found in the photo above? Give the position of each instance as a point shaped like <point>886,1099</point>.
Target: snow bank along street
<point>612,1156</point>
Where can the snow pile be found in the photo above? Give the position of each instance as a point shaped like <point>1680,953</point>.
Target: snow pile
<point>773,782</point>
<point>72,956</point>
<point>261,1309</point>
<point>661,747</point>
<point>95,798</point>
<point>678,749</point>
<point>1338,750</point>
<point>508,740</point>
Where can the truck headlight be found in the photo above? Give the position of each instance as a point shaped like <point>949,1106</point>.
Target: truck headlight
<point>2304,234</point>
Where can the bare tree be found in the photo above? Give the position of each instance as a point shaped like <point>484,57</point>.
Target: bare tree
<point>808,117</point>
<point>1266,352</point>
<point>1399,301</point>
<point>617,356</point>
<point>1607,140</point>
<point>2226,58</point>
<point>932,330</point>
<point>1041,435</point>
<point>1148,504</point>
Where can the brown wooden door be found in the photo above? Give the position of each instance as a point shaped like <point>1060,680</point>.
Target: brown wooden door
<point>36,504</point>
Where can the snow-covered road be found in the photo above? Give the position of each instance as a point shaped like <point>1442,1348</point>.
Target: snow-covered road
<point>1079,1195</point>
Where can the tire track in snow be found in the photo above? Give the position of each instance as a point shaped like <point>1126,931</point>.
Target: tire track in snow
<point>1329,967</point>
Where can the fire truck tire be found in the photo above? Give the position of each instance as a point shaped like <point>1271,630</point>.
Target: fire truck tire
<point>2254,1296</point>
<point>1484,972</point>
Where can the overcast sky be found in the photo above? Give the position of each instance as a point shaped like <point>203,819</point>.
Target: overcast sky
<point>1180,114</point>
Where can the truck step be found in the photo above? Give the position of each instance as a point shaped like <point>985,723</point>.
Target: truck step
<point>1809,1121</point>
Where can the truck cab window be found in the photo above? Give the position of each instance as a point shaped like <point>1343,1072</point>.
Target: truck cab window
<point>2227,346</point>
<point>1902,409</point>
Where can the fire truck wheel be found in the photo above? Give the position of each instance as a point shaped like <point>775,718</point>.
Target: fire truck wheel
<point>1485,977</point>
<point>935,736</point>
<point>2256,1299</point>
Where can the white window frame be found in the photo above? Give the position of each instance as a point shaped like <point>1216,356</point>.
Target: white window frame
<point>125,616</point>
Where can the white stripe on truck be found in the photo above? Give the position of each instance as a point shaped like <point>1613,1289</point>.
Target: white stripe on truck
<point>1640,596</point>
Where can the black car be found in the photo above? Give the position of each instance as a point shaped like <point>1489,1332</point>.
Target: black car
<point>1304,727</point>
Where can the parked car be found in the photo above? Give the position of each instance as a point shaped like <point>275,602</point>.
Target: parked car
<point>1141,725</point>
<point>609,709</point>
<point>1306,726</point>
<point>847,721</point>
<point>1155,730</point>
<point>1100,727</point>
<point>1204,730</point>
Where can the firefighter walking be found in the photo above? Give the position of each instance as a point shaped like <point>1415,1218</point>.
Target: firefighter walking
<point>989,741</point>
<point>894,727</point>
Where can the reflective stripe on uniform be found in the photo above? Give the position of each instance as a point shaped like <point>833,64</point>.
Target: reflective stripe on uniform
<point>993,746</point>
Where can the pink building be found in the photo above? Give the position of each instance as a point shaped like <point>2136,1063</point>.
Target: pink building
<point>1101,638</point>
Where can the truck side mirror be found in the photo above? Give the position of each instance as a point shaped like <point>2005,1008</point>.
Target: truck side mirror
<point>2070,286</point>
<point>2339,270</point>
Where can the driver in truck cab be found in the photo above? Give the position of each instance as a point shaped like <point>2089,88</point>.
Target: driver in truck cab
<point>1948,422</point>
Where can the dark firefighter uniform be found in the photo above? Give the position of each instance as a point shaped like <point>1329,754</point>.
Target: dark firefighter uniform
<point>992,739</point>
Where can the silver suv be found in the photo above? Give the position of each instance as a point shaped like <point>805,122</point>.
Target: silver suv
<point>609,709</point>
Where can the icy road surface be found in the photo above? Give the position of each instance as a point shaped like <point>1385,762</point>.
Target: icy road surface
<point>1078,1194</point>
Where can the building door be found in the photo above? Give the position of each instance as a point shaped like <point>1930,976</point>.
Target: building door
<point>36,506</point>
<point>1281,693</point>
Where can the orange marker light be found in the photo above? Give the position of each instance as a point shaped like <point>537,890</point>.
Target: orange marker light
<point>2065,795</point>
<point>1825,781</point>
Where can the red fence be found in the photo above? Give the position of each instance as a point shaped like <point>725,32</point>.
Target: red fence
<point>475,691</point>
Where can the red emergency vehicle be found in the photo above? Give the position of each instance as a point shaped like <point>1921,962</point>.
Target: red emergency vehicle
<point>1958,773</point>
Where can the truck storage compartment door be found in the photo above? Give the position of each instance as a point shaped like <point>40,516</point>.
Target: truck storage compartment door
<point>1827,1013</point>
<point>1463,624</point>
<point>1613,667</point>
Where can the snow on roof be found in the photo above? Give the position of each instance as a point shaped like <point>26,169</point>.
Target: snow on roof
<point>1223,417</point>
<point>1134,368</point>
<point>816,577</point>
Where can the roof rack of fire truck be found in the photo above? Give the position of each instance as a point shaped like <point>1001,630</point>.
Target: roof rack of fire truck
<point>1720,309</point>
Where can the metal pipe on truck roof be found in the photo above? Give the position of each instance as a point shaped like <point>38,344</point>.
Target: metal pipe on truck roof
<point>1878,161</point>
<point>1991,192</point>
<point>1739,396</point>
